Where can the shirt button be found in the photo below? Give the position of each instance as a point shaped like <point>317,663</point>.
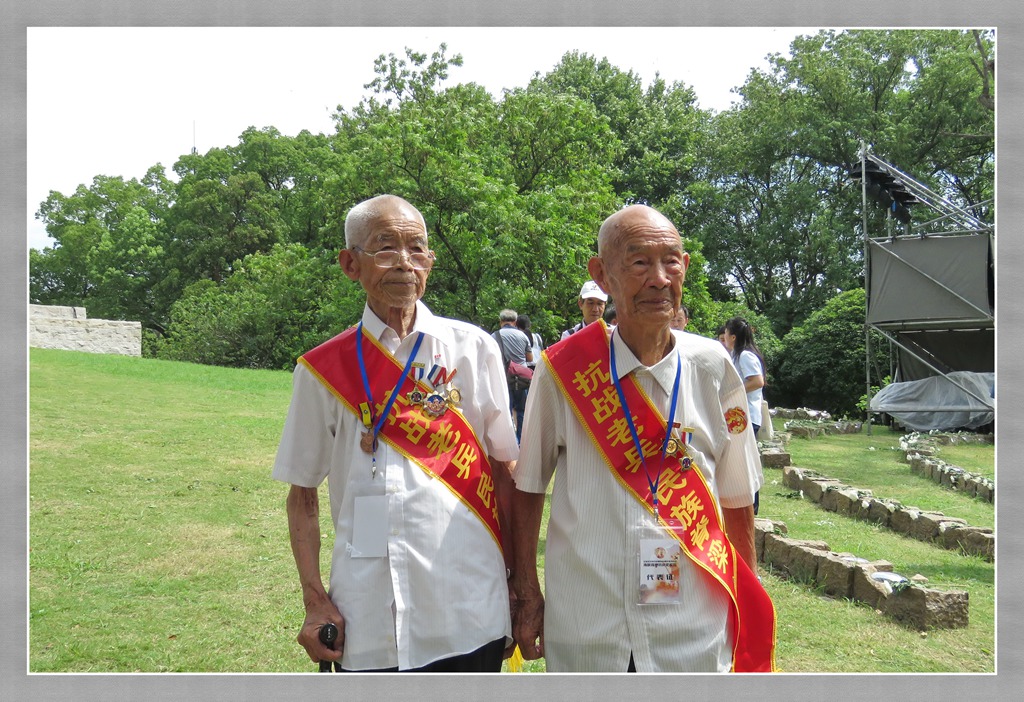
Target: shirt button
<point>394,532</point>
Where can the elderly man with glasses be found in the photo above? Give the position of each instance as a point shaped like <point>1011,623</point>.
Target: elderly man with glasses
<point>406,415</point>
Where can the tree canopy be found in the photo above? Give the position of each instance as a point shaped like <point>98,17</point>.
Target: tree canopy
<point>234,259</point>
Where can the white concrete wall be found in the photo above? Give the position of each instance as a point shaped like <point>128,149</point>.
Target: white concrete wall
<point>68,329</point>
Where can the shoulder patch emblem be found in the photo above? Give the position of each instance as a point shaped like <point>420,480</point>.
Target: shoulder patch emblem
<point>736,420</point>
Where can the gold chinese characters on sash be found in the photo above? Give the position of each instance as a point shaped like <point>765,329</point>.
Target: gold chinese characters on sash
<point>443,445</point>
<point>581,367</point>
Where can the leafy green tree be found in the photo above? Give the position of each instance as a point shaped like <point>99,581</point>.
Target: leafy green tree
<point>658,128</point>
<point>272,308</point>
<point>780,224</point>
<point>513,192</point>
<point>822,360</point>
<point>109,242</point>
<point>217,222</point>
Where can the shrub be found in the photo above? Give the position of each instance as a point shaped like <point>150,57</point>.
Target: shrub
<point>821,363</point>
<point>272,308</point>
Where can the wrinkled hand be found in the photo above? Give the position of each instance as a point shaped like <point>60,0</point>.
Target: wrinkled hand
<point>528,626</point>
<point>317,615</point>
<point>513,606</point>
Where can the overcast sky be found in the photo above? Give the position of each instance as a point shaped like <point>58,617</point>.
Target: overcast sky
<point>115,101</point>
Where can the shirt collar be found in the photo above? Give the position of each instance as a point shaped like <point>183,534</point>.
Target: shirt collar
<point>664,371</point>
<point>425,322</point>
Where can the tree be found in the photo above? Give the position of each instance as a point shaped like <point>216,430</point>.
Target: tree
<point>658,128</point>
<point>822,360</point>
<point>216,222</point>
<point>272,308</point>
<point>785,234</point>
<point>108,245</point>
<point>512,191</point>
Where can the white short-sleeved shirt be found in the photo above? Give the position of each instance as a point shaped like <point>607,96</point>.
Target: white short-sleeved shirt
<point>592,621</point>
<point>441,590</point>
<point>748,365</point>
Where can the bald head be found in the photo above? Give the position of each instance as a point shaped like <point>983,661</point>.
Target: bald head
<point>362,216</point>
<point>627,221</point>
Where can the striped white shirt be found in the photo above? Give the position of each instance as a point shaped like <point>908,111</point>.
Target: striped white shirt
<point>592,621</point>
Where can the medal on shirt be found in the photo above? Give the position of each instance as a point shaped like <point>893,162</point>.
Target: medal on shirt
<point>678,444</point>
<point>366,442</point>
<point>437,401</point>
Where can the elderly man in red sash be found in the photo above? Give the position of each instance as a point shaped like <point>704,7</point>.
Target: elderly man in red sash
<point>406,415</point>
<point>650,560</point>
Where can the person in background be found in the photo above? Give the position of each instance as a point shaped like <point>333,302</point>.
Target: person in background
<point>406,415</point>
<point>537,343</point>
<point>644,432</point>
<point>515,347</point>
<point>591,302</point>
<point>738,338</point>
<point>720,335</point>
<point>610,315</point>
<point>681,318</point>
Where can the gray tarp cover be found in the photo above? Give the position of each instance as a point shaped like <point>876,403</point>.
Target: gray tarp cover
<point>906,276</point>
<point>912,402</point>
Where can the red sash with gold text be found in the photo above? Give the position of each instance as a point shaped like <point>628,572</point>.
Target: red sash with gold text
<point>581,367</point>
<point>445,447</point>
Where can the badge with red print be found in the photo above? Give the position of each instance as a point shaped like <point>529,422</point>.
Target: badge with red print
<point>736,420</point>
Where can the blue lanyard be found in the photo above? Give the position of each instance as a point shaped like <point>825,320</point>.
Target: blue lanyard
<point>398,386</point>
<point>632,428</point>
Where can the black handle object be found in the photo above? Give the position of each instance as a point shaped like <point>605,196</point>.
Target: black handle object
<point>328,635</point>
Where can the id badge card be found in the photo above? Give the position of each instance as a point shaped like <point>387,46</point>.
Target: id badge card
<point>660,556</point>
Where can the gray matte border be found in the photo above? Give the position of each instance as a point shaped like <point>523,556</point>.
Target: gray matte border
<point>15,684</point>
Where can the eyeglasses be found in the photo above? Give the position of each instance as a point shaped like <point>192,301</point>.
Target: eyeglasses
<point>389,259</point>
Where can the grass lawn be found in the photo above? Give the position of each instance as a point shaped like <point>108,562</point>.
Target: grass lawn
<point>158,541</point>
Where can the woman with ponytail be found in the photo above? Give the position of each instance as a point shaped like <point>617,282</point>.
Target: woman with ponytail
<point>738,338</point>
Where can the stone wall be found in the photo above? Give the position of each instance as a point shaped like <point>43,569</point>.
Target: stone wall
<point>932,527</point>
<point>874,583</point>
<point>69,329</point>
<point>920,452</point>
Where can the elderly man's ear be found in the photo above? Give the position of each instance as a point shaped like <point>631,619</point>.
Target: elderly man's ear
<point>595,266</point>
<point>349,263</point>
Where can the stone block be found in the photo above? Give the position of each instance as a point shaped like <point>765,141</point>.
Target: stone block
<point>902,520</point>
<point>792,477</point>
<point>923,608</point>
<point>951,535</point>
<point>774,458</point>
<point>794,557</point>
<point>835,575</point>
<point>814,490</point>
<point>879,511</point>
<point>870,592</point>
<point>761,527</point>
<point>56,312</point>
<point>978,541</point>
<point>970,487</point>
<point>926,526</point>
<point>986,492</point>
<point>846,501</point>
<point>830,499</point>
<point>805,432</point>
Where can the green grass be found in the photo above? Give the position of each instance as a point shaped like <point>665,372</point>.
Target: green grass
<point>819,633</point>
<point>158,541</point>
